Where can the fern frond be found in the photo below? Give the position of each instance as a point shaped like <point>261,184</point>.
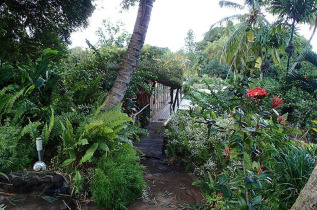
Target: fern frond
<point>7,101</point>
<point>31,129</point>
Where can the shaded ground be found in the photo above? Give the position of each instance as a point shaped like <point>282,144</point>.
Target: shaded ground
<point>25,202</point>
<point>168,186</point>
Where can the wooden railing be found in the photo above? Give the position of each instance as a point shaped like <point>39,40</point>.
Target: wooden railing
<point>159,98</point>
<point>163,96</point>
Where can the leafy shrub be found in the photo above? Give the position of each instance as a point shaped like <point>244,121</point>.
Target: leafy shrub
<point>216,69</point>
<point>189,138</point>
<point>118,180</point>
<point>96,136</point>
<point>291,167</point>
<point>14,154</point>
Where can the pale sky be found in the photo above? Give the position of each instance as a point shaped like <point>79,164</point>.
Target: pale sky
<point>170,21</point>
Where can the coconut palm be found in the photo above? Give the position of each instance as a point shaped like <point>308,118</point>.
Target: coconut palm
<point>132,55</point>
<point>253,37</point>
<point>294,12</point>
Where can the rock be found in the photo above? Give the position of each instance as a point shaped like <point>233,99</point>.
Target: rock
<point>58,179</point>
<point>45,179</point>
<point>32,181</point>
<point>18,181</point>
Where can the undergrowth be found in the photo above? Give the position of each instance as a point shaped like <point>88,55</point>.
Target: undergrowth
<point>118,180</point>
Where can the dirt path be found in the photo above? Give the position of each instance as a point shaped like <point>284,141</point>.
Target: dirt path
<point>168,186</point>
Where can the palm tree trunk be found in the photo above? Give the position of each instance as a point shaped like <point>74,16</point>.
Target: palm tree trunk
<point>301,56</point>
<point>290,42</point>
<point>132,55</point>
<point>308,196</point>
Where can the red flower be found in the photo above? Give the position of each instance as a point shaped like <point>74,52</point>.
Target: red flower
<point>219,194</point>
<point>258,93</point>
<point>277,101</point>
<point>282,120</point>
<point>227,152</point>
<point>305,77</point>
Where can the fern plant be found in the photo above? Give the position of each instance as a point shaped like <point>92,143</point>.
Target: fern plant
<point>94,137</point>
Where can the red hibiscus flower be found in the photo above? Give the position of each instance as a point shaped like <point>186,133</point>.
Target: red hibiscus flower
<point>277,101</point>
<point>257,93</point>
<point>305,77</point>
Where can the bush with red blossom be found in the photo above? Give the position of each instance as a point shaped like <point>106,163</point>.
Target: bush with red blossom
<point>257,93</point>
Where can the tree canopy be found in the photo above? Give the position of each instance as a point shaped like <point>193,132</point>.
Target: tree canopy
<point>33,25</point>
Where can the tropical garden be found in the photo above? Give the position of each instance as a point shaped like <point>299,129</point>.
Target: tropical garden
<point>249,136</point>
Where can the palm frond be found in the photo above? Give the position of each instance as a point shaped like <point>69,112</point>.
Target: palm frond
<point>230,18</point>
<point>311,57</point>
<point>234,43</point>
<point>230,4</point>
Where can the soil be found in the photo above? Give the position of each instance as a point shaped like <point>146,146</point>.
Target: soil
<point>26,202</point>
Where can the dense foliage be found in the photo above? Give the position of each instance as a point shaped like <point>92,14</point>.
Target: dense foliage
<point>248,135</point>
<point>28,27</point>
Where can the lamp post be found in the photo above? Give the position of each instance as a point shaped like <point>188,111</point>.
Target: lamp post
<point>39,165</point>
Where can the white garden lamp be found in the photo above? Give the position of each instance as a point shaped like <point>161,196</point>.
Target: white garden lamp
<point>39,165</point>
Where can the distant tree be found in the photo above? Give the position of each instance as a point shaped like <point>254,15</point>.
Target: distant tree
<point>190,49</point>
<point>113,35</point>
<point>29,26</point>
<point>190,43</point>
<point>132,55</point>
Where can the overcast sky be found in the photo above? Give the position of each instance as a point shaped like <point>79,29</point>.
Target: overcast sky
<point>170,21</point>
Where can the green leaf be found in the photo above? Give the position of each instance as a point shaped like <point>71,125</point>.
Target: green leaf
<point>262,176</point>
<point>255,165</point>
<point>293,130</point>
<point>250,129</point>
<point>249,141</point>
<point>258,63</point>
<point>45,133</point>
<point>82,142</point>
<point>51,124</point>
<point>103,146</point>
<point>67,162</point>
<point>46,51</point>
<point>89,153</point>
<point>257,200</point>
<point>274,118</point>
<point>4,175</point>
<point>78,177</point>
<point>249,179</point>
<point>242,203</point>
<point>29,90</point>
<point>223,179</point>
<point>250,36</point>
<point>4,77</point>
<point>93,124</point>
<point>39,82</point>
